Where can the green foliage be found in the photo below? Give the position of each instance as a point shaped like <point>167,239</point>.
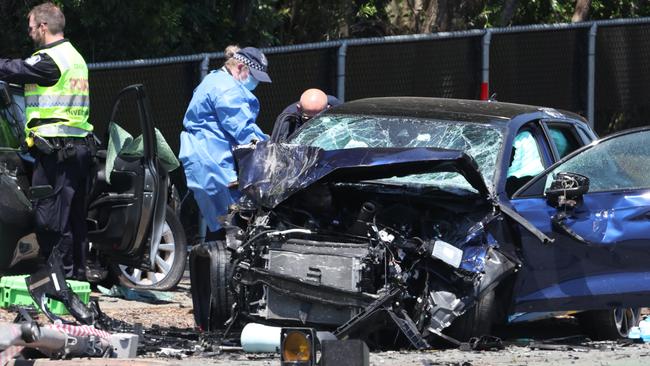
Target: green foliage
<point>121,29</point>
<point>560,11</point>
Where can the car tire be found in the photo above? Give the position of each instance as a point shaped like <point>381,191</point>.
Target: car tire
<point>210,270</point>
<point>170,260</point>
<point>477,321</point>
<point>610,324</point>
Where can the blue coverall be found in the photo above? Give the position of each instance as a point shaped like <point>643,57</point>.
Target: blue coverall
<point>220,115</point>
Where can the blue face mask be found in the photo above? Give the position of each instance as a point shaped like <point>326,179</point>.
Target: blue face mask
<point>250,83</point>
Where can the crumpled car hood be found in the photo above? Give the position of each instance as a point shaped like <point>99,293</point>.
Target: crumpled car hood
<point>269,173</point>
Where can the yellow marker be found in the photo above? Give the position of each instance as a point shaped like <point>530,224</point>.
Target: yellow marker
<point>30,141</point>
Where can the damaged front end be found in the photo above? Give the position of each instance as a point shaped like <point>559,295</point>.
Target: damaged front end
<point>359,240</point>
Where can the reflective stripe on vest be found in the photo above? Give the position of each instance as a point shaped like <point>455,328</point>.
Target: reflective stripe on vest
<point>47,101</point>
<point>67,101</point>
<point>60,129</point>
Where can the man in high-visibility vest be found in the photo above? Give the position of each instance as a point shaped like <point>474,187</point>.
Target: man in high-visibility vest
<point>58,135</point>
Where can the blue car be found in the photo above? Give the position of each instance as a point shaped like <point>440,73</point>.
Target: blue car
<point>406,220</point>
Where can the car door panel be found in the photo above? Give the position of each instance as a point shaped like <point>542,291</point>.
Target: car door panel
<point>15,207</point>
<point>600,255</point>
<point>128,215</point>
<point>611,240</point>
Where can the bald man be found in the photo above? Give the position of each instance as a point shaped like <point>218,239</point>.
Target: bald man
<point>312,102</point>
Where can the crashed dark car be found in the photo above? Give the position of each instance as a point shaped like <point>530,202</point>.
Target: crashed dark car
<point>433,219</point>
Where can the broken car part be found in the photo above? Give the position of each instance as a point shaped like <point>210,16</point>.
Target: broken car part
<point>58,341</point>
<point>405,220</point>
<point>376,257</point>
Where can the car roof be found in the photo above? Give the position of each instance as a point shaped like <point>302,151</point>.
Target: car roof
<point>464,110</point>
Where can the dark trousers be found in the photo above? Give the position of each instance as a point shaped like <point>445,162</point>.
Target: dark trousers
<point>61,217</point>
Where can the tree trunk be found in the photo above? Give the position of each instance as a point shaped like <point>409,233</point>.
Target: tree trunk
<point>430,9</point>
<point>241,10</point>
<point>443,18</point>
<point>582,11</point>
<point>508,12</point>
<point>414,7</point>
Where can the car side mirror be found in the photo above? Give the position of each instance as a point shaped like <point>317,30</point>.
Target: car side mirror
<point>566,190</point>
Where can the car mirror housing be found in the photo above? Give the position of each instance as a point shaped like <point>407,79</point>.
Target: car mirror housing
<point>566,190</point>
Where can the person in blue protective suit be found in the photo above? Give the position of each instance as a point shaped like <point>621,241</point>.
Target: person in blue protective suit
<point>221,115</point>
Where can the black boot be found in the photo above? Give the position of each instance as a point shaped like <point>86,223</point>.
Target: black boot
<point>49,282</point>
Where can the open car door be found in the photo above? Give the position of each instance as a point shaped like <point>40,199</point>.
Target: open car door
<point>595,205</point>
<point>15,208</point>
<point>126,216</point>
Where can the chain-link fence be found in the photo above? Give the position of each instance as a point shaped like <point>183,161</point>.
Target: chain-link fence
<point>447,68</point>
<point>541,68</point>
<point>622,77</point>
<point>598,69</point>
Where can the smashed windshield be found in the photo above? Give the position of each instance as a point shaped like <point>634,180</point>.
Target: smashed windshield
<point>481,141</point>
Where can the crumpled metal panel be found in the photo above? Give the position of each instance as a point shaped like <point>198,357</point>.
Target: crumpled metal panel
<point>270,173</point>
<point>603,218</point>
<point>607,256</point>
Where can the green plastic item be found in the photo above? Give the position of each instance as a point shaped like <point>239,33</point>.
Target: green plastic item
<point>121,143</point>
<point>13,291</point>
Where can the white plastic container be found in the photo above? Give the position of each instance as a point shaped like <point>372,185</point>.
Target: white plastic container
<point>260,338</point>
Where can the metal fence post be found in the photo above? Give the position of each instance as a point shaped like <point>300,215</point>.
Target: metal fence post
<point>340,72</point>
<point>485,81</point>
<point>591,76</point>
<point>205,65</point>
<point>203,225</point>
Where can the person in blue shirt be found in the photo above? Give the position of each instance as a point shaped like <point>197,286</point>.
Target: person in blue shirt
<point>221,115</point>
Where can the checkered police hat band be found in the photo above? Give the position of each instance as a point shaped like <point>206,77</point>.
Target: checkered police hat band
<point>248,62</point>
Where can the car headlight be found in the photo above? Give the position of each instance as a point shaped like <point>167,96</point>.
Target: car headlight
<point>447,253</point>
<point>298,347</point>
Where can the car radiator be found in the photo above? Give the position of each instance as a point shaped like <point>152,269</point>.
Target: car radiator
<point>329,264</point>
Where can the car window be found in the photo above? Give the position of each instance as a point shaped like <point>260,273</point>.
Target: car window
<point>481,141</point>
<point>564,139</point>
<point>619,163</point>
<point>526,159</point>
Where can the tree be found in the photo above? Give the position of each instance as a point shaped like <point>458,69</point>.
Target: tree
<point>581,11</point>
<point>508,12</point>
<point>121,29</point>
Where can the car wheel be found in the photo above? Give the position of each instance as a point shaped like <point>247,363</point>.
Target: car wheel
<point>609,324</point>
<point>210,270</point>
<point>169,262</point>
<point>476,321</point>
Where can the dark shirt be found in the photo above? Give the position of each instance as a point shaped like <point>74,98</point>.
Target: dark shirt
<point>37,69</point>
<point>290,120</point>
<point>293,108</point>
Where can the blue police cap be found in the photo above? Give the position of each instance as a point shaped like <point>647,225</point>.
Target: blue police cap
<point>256,62</point>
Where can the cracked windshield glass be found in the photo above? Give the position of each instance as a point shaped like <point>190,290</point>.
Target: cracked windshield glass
<point>480,141</point>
